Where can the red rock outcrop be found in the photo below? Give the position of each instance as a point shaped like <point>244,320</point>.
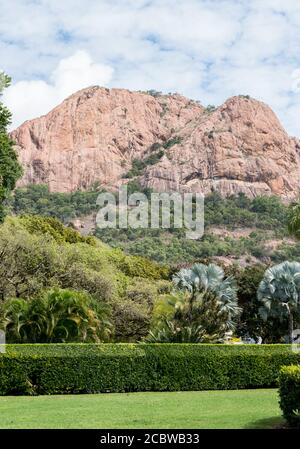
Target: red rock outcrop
<point>95,134</point>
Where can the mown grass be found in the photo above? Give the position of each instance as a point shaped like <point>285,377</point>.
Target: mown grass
<point>198,410</point>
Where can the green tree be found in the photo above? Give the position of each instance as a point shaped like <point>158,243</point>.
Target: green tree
<point>10,169</point>
<point>279,293</point>
<point>250,322</point>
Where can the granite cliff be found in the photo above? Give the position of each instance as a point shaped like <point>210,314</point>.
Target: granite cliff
<point>96,135</point>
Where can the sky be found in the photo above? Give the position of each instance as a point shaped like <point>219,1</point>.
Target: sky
<point>208,50</point>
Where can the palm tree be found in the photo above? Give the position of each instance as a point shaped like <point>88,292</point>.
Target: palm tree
<point>211,298</point>
<point>279,292</point>
<point>205,307</point>
<point>57,316</point>
<point>16,322</point>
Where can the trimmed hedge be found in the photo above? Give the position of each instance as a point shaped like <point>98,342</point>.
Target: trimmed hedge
<point>289,392</point>
<point>93,368</point>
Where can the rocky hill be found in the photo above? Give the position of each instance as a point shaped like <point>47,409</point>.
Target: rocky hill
<point>99,135</point>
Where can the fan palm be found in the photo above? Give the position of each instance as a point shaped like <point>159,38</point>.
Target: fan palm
<point>279,292</point>
<point>211,298</point>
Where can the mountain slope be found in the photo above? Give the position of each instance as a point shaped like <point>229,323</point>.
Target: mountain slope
<point>97,134</point>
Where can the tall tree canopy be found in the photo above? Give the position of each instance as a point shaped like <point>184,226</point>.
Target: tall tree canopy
<point>10,169</point>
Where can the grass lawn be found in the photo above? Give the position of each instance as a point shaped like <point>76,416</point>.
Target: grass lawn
<point>186,409</point>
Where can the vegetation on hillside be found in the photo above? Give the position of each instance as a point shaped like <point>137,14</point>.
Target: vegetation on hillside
<point>263,219</point>
<point>37,200</point>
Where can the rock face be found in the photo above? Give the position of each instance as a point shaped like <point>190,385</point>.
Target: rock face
<point>95,134</point>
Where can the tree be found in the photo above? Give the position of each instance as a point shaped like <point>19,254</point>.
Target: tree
<point>250,323</point>
<point>279,293</point>
<point>28,263</point>
<point>206,310</point>
<point>294,220</point>
<point>132,314</point>
<point>56,316</point>
<point>10,169</point>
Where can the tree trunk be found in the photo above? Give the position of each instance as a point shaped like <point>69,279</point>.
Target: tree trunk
<point>291,327</point>
<point>191,304</point>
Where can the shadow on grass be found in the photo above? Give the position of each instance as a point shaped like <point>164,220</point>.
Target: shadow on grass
<point>276,422</point>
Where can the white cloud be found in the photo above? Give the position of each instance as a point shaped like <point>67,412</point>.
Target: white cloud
<point>29,99</point>
<point>77,72</point>
<point>205,49</point>
<point>296,80</point>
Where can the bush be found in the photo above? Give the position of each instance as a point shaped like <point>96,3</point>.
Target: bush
<point>138,165</point>
<point>289,392</point>
<point>36,224</point>
<point>93,368</point>
<point>173,141</point>
<point>137,266</point>
<point>132,314</point>
<point>55,316</point>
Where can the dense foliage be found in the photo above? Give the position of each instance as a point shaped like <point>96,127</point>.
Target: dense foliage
<point>37,200</point>
<point>10,169</point>
<point>55,316</point>
<point>53,227</point>
<point>45,258</point>
<point>62,368</point>
<point>265,218</point>
<point>39,253</point>
<point>289,392</point>
<point>294,220</point>
<point>250,323</point>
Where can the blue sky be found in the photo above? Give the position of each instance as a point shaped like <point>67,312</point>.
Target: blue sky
<point>208,50</point>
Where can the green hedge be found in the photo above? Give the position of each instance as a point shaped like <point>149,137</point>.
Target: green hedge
<point>289,392</point>
<point>87,368</point>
